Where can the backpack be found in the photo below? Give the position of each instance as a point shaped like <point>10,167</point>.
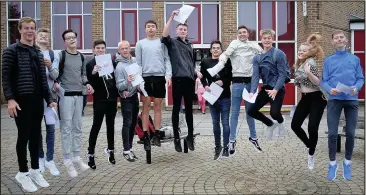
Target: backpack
<point>61,64</point>
<point>274,58</point>
<point>139,130</point>
<point>52,55</point>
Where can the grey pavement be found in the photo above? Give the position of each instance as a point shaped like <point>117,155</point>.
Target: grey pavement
<point>280,169</point>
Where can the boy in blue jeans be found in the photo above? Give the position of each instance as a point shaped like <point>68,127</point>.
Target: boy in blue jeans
<point>341,67</point>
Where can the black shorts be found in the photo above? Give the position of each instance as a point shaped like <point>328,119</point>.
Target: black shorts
<point>155,86</point>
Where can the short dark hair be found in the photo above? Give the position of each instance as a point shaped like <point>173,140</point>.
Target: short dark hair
<point>243,27</point>
<point>151,22</point>
<point>216,42</point>
<point>69,31</point>
<point>182,24</point>
<point>98,42</point>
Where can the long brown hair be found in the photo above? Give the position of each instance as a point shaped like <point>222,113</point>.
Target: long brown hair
<point>315,50</point>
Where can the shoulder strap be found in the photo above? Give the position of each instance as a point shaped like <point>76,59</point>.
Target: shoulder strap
<point>61,65</point>
<point>82,62</point>
<point>52,55</point>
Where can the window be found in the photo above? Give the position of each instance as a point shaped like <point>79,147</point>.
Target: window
<point>203,23</point>
<point>279,16</point>
<point>17,10</point>
<point>125,21</point>
<point>75,15</point>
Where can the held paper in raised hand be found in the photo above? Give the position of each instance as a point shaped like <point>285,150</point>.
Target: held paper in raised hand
<point>134,69</point>
<point>214,94</point>
<point>184,13</point>
<point>247,98</point>
<point>105,63</point>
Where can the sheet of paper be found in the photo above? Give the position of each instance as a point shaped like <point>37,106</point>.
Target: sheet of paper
<point>344,88</point>
<point>138,80</point>
<point>210,97</point>
<point>142,88</point>
<point>184,13</point>
<point>105,63</point>
<point>51,116</point>
<point>247,98</point>
<point>134,69</point>
<point>216,69</point>
<point>216,90</point>
<point>46,55</point>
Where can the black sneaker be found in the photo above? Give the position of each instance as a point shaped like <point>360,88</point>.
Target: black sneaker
<point>232,146</point>
<point>225,152</point>
<point>255,144</point>
<point>133,155</point>
<point>91,162</point>
<point>147,144</point>
<point>190,142</point>
<point>156,138</point>
<point>177,145</point>
<point>128,157</point>
<point>110,156</point>
<point>218,150</point>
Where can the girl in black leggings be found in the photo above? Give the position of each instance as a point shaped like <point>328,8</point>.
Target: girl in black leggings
<point>312,101</point>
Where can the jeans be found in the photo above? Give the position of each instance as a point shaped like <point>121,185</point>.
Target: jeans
<point>29,124</point>
<point>101,108</point>
<point>221,106</point>
<point>276,105</point>
<point>50,142</point>
<point>182,87</point>
<point>312,105</point>
<point>130,109</point>
<point>71,108</point>
<point>334,109</point>
<point>236,99</point>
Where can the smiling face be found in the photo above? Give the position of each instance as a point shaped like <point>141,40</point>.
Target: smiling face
<point>70,40</point>
<point>124,49</point>
<point>301,53</point>
<point>99,49</point>
<point>27,31</point>
<point>267,40</point>
<point>182,31</point>
<point>216,50</point>
<point>243,34</point>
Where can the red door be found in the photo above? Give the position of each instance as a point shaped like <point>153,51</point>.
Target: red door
<point>359,50</point>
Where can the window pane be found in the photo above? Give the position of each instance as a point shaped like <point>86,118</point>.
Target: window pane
<point>113,24</point>
<point>145,4</point>
<point>74,7</point>
<point>129,4</point>
<point>112,4</point>
<point>144,15</point>
<point>29,9</point>
<point>14,10</point>
<point>38,10</point>
<point>111,51</point>
<point>266,15</point>
<point>75,25</point>
<point>168,12</point>
<point>210,14</point>
<point>192,21</point>
<point>58,27</point>
<point>38,22</point>
<point>286,20</point>
<point>88,7</point>
<point>128,28</point>
<point>58,7</point>
<point>13,31</point>
<point>88,40</point>
<point>289,50</point>
<point>247,14</point>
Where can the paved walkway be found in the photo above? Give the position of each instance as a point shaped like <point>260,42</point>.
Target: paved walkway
<point>280,169</point>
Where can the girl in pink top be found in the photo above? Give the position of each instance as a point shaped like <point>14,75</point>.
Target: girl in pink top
<point>199,91</point>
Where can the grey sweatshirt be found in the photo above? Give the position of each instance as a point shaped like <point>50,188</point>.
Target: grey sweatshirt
<point>72,79</point>
<point>152,56</point>
<point>121,75</point>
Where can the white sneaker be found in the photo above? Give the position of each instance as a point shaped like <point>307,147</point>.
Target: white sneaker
<point>311,162</point>
<point>70,168</point>
<point>270,130</point>
<point>25,181</point>
<point>41,165</point>
<point>281,129</point>
<point>52,167</point>
<point>83,167</point>
<point>37,177</point>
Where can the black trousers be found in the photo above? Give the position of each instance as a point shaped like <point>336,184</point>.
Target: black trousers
<point>182,87</point>
<point>312,105</point>
<point>130,109</point>
<point>276,105</point>
<point>101,108</point>
<point>29,122</point>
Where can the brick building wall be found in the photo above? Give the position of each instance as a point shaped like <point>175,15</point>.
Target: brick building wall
<point>97,20</point>
<point>3,38</point>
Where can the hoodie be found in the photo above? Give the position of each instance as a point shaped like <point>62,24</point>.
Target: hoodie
<point>121,75</point>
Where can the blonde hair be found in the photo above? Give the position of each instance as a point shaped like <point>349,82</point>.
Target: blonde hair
<point>26,20</point>
<point>336,32</point>
<point>267,32</point>
<point>315,50</point>
<point>45,30</point>
<point>123,42</point>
